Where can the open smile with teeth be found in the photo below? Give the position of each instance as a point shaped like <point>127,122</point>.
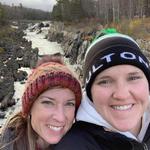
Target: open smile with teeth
<point>55,128</point>
<point>123,107</point>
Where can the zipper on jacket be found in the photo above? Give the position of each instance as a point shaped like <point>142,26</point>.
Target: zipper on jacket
<point>145,146</point>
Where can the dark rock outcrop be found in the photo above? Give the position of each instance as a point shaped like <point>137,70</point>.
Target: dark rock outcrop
<point>14,54</point>
<point>75,44</point>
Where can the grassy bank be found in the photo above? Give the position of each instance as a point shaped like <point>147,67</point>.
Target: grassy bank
<point>137,28</point>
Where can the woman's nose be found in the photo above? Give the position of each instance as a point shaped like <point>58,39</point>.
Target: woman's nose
<point>59,114</point>
<point>121,91</point>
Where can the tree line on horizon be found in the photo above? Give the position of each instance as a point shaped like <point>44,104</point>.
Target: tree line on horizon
<point>104,10</point>
<point>21,13</point>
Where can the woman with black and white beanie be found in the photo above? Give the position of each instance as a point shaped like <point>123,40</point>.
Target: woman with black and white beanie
<point>115,111</point>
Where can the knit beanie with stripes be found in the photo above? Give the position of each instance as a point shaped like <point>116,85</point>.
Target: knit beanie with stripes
<point>48,75</point>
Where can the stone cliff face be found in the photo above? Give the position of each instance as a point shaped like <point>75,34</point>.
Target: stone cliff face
<point>13,56</point>
<point>75,42</point>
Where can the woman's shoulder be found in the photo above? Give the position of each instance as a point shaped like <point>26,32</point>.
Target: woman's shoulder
<point>82,127</point>
<point>85,136</point>
<point>79,137</point>
<point>7,135</point>
<point>79,131</point>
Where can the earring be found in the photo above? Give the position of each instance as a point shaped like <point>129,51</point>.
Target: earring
<point>29,117</point>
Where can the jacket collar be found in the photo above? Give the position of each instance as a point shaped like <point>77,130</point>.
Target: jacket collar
<point>88,113</point>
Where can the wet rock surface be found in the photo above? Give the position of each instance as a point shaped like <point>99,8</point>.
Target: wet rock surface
<point>18,54</point>
<point>14,55</point>
<point>75,43</point>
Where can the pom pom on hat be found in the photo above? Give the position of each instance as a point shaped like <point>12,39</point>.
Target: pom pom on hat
<point>105,32</point>
<point>47,75</point>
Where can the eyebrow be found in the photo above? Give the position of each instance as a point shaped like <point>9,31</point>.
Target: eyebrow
<point>135,73</point>
<point>108,76</point>
<point>102,77</point>
<point>50,98</point>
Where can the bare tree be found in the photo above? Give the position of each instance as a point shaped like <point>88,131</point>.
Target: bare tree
<point>106,10</point>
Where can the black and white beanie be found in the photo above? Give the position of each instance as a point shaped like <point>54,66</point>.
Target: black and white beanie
<point>110,50</point>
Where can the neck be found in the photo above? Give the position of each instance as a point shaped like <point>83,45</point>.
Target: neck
<point>41,144</point>
<point>136,130</point>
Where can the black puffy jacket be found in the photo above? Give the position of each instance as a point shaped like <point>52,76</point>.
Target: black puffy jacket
<point>88,136</point>
<point>7,140</point>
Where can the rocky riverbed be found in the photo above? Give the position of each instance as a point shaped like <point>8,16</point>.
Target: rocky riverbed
<point>75,40</point>
<point>16,61</point>
<point>17,58</point>
<point>15,54</point>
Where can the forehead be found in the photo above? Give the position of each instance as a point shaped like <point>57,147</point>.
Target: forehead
<point>56,90</point>
<point>121,69</point>
<point>58,93</point>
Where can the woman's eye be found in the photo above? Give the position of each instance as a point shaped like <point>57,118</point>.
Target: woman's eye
<point>47,102</point>
<point>70,104</point>
<point>132,78</point>
<point>103,82</point>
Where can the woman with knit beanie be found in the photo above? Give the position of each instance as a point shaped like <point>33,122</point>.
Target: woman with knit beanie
<point>49,103</point>
<point>115,111</point>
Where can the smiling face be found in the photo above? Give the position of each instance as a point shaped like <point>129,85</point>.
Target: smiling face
<point>121,94</point>
<point>52,114</point>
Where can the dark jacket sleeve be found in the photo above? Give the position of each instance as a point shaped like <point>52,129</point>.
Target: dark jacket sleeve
<point>74,144</point>
<point>6,138</point>
<point>77,140</point>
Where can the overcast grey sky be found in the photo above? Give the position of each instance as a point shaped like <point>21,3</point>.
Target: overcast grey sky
<point>38,4</point>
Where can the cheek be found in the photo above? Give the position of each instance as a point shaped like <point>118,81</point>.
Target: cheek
<point>70,115</point>
<point>36,117</point>
<point>143,92</point>
<point>101,102</point>
<point>39,115</point>
<point>100,96</point>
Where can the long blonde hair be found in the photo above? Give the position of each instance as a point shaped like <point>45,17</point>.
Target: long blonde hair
<point>24,136</point>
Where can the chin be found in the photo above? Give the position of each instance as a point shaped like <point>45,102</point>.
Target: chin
<point>54,141</point>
